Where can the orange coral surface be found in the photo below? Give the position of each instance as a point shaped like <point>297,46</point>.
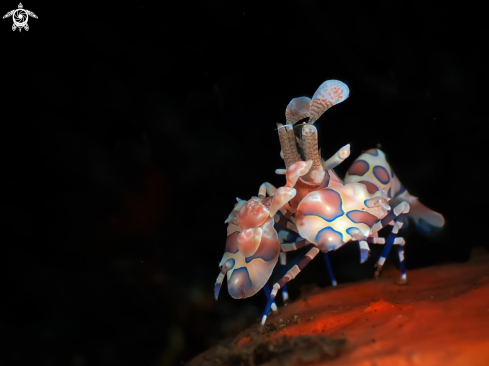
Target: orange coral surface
<point>441,317</point>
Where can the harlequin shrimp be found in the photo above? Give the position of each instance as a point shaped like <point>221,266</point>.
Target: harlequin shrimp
<point>253,245</point>
<point>331,216</point>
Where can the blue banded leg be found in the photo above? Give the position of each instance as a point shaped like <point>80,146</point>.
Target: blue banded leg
<point>285,222</point>
<point>364,250</point>
<point>370,240</point>
<point>287,247</point>
<point>397,214</point>
<point>300,243</point>
<point>283,263</point>
<point>401,243</point>
<point>330,269</point>
<point>402,208</point>
<point>290,275</point>
<point>389,242</point>
<point>356,234</point>
<point>288,241</point>
<point>397,241</point>
<point>375,240</point>
<point>266,289</point>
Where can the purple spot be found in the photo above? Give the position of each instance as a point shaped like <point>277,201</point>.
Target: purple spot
<point>389,194</point>
<point>267,250</point>
<point>362,217</point>
<point>359,167</point>
<point>328,207</point>
<point>392,173</point>
<point>329,237</point>
<point>371,188</point>
<point>381,174</point>
<point>239,283</point>
<point>282,223</point>
<point>373,152</point>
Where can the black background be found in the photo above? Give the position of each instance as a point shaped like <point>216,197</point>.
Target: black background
<point>128,131</point>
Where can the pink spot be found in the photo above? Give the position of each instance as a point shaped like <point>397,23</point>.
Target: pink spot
<point>269,249</point>
<point>381,174</point>
<point>371,188</point>
<point>359,167</point>
<point>329,237</point>
<point>328,206</point>
<point>249,240</point>
<point>361,217</point>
